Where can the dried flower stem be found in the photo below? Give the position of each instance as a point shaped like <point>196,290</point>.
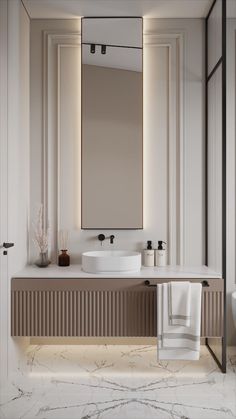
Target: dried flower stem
<point>41,233</point>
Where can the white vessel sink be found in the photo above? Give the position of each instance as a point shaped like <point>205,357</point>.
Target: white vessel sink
<point>111,261</point>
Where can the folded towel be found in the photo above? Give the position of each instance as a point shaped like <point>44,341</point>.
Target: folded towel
<point>179,303</point>
<point>178,342</point>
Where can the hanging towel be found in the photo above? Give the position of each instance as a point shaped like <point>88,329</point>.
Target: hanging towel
<point>179,303</point>
<point>178,342</point>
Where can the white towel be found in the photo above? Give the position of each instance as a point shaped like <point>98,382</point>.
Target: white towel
<point>179,303</point>
<point>178,342</point>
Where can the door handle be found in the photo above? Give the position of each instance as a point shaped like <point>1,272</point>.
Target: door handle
<point>7,245</point>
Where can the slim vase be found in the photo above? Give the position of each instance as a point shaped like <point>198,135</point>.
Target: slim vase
<point>43,260</point>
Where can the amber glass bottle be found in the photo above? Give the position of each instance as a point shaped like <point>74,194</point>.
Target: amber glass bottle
<point>64,258</point>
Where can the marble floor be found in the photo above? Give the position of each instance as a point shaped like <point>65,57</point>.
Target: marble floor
<point>118,382</point>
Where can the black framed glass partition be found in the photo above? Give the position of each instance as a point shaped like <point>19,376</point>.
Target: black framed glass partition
<point>216,157</point>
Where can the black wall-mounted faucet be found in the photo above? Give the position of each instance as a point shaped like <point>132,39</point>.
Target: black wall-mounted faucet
<point>101,238</point>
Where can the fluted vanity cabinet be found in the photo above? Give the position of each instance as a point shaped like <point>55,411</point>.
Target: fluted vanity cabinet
<point>96,307</point>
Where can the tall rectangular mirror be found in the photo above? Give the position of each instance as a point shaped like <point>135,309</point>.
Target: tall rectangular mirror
<point>112,123</point>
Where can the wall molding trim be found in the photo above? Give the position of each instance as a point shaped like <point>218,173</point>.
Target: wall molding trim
<point>61,47</point>
<point>176,154</point>
<point>51,41</point>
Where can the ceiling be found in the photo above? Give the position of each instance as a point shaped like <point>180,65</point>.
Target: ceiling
<point>123,40</point>
<point>65,9</point>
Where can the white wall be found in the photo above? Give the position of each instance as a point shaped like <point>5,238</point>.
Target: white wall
<point>173,137</point>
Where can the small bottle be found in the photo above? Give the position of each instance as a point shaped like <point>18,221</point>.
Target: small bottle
<point>64,258</point>
<point>149,255</point>
<point>160,254</point>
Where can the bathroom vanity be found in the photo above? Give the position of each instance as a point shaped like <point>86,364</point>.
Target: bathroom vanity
<point>60,302</point>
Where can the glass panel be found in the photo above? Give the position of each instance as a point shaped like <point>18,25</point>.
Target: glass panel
<point>215,171</point>
<point>215,36</point>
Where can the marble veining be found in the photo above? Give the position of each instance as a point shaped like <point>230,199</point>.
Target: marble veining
<point>118,382</point>
<point>76,271</point>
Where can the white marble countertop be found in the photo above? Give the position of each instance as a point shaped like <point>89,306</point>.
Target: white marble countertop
<point>75,271</point>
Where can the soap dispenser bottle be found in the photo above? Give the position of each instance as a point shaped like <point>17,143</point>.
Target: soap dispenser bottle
<point>149,255</point>
<point>160,254</point>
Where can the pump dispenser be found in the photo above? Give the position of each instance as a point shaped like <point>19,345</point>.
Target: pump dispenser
<point>160,254</point>
<point>149,255</point>
<point>160,245</point>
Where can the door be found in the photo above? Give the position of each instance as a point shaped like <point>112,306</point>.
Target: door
<point>3,190</point>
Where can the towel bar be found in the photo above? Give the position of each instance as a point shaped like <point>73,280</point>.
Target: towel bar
<point>147,283</point>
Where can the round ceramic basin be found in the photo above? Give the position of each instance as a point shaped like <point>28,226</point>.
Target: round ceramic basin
<point>111,261</point>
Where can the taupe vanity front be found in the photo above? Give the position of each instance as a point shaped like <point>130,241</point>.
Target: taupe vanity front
<point>108,307</point>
